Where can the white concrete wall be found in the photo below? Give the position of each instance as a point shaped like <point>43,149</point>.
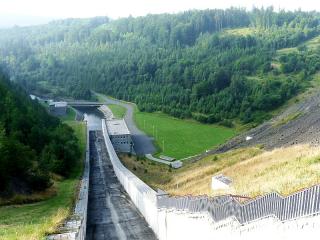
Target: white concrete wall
<point>218,185</point>
<point>144,197</point>
<point>172,224</point>
<point>183,225</point>
<point>122,143</point>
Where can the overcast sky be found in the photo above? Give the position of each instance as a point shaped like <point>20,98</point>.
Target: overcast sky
<point>24,12</point>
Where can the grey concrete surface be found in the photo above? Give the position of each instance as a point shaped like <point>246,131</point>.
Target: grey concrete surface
<point>111,213</point>
<point>174,164</point>
<point>152,158</point>
<point>143,144</point>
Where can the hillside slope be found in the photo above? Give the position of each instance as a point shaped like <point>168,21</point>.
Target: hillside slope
<point>298,124</point>
<point>215,66</point>
<point>283,156</point>
<point>33,144</point>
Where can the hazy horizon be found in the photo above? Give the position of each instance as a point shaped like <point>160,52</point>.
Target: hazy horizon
<point>32,12</point>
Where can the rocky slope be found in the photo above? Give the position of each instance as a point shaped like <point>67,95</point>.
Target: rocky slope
<point>299,123</point>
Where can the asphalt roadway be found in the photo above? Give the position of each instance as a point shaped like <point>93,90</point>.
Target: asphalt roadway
<point>143,144</point>
<point>111,213</point>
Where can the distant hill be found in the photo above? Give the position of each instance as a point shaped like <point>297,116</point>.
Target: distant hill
<point>8,21</point>
<point>216,66</point>
<point>33,144</point>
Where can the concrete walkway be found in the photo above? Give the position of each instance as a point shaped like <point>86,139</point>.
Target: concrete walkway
<point>152,158</point>
<point>111,213</point>
<point>174,164</point>
<point>143,144</point>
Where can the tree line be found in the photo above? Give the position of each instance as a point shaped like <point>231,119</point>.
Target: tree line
<point>33,144</point>
<point>211,65</point>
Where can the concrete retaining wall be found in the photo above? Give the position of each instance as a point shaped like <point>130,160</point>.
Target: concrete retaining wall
<point>144,197</point>
<point>269,216</point>
<point>82,203</point>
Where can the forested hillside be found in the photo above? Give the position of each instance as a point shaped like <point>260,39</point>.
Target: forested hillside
<point>32,144</point>
<point>212,65</point>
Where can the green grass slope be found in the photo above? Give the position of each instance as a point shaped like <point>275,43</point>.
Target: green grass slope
<point>34,221</point>
<point>118,111</point>
<point>181,138</point>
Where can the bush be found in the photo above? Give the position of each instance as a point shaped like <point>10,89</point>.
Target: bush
<point>39,181</point>
<point>226,123</point>
<point>215,158</point>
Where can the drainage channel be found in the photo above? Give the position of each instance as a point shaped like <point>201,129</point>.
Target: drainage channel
<point>111,213</point>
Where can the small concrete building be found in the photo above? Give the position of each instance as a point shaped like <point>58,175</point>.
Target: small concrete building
<point>220,182</point>
<point>176,164</point>
<point>120,135</point>
<point>58,108</point>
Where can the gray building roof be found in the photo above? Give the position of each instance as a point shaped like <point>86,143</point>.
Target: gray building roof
<point>117,127</point>
<point>60,104</point>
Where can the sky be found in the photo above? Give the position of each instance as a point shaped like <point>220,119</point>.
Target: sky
<point>28,12</point>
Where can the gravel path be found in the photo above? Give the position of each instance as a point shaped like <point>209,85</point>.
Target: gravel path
<point>111,213</point>
<point>143,144</point>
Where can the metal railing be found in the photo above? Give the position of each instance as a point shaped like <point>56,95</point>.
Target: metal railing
<point>142,195</point>
<point>303,203</point>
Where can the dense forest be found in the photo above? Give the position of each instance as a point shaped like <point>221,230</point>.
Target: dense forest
<point>33,144</point>
<point>210,65</point>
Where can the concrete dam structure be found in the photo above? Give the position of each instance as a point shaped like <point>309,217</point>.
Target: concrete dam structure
<point>115,204</point>
<point>223,217</point>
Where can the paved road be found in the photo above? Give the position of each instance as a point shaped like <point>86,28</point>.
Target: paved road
<point>142,143</point>
<point>111,213</point>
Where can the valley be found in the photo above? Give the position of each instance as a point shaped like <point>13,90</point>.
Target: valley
<point>230,95</point>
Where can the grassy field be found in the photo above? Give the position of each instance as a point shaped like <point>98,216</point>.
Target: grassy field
<point>34,221</point>
<point>313,43</point>
<point>253,171</point>
<point>310,44</point>
<point>285,51</point>
<point>240,31</point>
<point>181,138</point>
<point>118,111</point>
<point>175,137</point>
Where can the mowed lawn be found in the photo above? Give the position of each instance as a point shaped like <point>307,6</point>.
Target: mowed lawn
<point>176,137</point>
<point>118,111</point>
<point>181,138</point>
<point>34,221</point>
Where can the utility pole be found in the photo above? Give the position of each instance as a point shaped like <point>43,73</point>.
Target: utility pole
<point>163,145</point>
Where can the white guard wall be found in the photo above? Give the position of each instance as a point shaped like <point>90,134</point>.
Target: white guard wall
<point>174,224</point>
<point>144,197</point>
